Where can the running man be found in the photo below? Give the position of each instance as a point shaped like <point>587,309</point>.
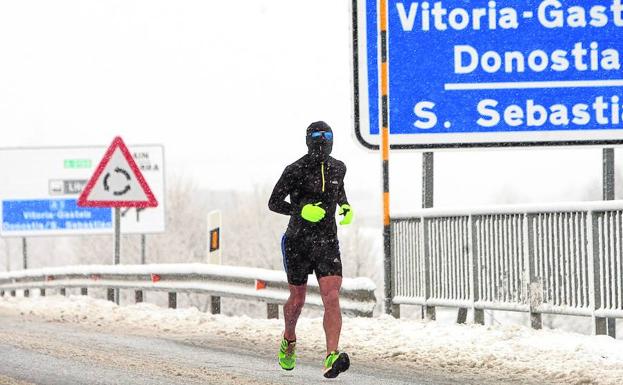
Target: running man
<point>315,184</point>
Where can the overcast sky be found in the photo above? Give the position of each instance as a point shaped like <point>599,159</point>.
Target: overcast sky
<point>228,87</point>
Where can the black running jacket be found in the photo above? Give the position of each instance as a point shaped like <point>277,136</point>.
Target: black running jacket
<point>306,181</point>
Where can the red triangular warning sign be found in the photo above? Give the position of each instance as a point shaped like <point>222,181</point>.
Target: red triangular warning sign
<point>117,181</point>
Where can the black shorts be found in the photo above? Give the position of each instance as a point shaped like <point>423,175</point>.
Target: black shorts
<point>302,257</point>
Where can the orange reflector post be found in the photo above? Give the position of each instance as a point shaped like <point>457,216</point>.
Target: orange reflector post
<point>215,237</point>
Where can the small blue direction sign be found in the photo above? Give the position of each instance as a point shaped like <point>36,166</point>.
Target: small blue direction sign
<point>52,216</point>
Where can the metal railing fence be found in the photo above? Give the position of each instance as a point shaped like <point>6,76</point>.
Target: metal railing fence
<point>356,296</point>
<point>556,259</point>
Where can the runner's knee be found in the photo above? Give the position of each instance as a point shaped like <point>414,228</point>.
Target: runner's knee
<point>298,303</point>
<point>331,297</point>
<point>297,299</point>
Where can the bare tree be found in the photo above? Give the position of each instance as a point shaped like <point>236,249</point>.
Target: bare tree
<point>252,232</point>
<point>360,253</point>
<point>6,254</point>
<point>186,226</point>
<point>183,240</point>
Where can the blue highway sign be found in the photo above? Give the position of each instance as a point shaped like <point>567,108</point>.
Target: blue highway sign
<point>492,73</point>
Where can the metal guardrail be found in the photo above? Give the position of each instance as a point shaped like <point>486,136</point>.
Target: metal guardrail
<point>356,297</point>
<point>556,259</point>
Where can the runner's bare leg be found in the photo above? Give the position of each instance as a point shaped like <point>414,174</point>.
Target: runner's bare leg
<point>292,309</point>
<point>332,322</point>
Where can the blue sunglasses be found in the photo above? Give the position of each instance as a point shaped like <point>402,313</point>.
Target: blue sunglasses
<point>318,134</point>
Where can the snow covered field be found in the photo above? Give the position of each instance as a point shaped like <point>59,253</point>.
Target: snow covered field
<point>503,352</point>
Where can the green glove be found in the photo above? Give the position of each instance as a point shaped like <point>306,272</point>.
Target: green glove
<point>347,212</point>
<point>313,212</point>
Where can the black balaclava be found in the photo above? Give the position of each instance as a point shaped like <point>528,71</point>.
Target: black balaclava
<point>319,148</point>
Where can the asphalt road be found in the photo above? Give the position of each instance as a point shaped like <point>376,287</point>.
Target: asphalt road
<point>44,353</point>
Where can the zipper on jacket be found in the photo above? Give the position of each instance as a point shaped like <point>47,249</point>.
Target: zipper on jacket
<point>322,171</point>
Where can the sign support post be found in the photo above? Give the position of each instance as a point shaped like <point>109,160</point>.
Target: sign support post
<point>117,240</point>
<point>25,252</point>
<point>25,255</point>
<point>117,255</point>
<point>389,280</point>
<point>608,195</point>
<point>428,185</point>
<point>143,249</point>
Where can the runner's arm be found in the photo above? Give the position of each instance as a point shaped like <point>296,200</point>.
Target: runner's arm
<point>341,195</point>
<point>277,201</point>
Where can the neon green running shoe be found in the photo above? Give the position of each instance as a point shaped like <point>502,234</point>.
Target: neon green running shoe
<point>287,356</point>
<point>336,363</point>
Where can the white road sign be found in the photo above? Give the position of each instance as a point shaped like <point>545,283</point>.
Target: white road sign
<point>46,182</point>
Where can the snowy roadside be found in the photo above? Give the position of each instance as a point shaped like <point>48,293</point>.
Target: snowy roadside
<point>515,353</point>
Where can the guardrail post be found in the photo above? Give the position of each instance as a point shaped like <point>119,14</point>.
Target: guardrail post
<point>611,324</point>
<point>215,304</point>
<point>26,293</point>
<point>42,292</point>
<point>138,296</point>
<point>396,310</point>
<point>534,285</point>
<point>84,291</point>
<point>479,314</point>
<point>1,293</point>
<point>172,300</point>
<point>272,310</point>
<point>63,291</point>
<point>110,294</point>
<point>461,316</point>
<point>600,325</point>
<point>429,311</point>
<point>13,293</point>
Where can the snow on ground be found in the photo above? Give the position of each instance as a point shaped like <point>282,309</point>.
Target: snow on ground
<point>513,352</point>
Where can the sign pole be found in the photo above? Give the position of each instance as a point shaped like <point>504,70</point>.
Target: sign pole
<point>25,252</point>
<point>428,185</point>
<point>143,249</point>
<point>25,255</point>
<point>389,282</point>
<point>117,256</point>
<point>608,195</point>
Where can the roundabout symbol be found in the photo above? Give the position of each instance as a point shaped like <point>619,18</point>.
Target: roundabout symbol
<point>123,190</point>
